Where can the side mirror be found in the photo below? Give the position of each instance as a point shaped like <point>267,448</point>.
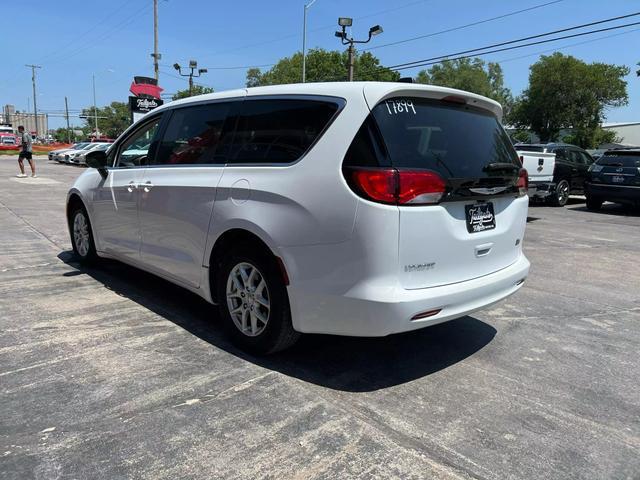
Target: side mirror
<point>98,160</point>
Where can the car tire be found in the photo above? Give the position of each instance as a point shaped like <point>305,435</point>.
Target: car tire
<point>561,195</point>
<point>82,235</point>
<point>594,203</point>
<point>253,301</point>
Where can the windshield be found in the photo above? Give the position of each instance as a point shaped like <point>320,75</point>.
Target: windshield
<point>456,141</point>
<point>631,159</point>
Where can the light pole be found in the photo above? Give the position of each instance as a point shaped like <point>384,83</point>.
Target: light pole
<point>95,108</point>
<point>345,22</point>
<point>304,40</point>
<point>193,66</point>
<point>33,81</point>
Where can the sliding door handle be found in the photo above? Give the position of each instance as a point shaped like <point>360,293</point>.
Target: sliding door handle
<point>147,186</point>
<point>131,186</point>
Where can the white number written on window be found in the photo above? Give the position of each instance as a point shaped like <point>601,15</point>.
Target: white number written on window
<point>396,107</point>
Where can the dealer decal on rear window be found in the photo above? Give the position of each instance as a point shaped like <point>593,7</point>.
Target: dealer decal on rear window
<point>396,107</point>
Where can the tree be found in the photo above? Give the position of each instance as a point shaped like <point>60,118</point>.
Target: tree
<point>112,119</point>
<point>472,75</point>
<point>197,90</point>
<point>565,92</point>
<point>321,66</point>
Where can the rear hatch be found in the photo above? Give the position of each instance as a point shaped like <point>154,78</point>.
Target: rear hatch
<point>617,168</point>
<point>539,165</point>
<point>474,227</point>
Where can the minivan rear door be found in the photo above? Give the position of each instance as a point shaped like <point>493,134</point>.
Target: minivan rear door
<point>477,229</point>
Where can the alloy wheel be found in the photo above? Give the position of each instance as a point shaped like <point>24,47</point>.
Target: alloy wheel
<point>248,299</point>
<point>81,234</point>
<point>563,192</point>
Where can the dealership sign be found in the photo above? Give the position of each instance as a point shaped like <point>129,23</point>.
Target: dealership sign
<point>140,106</point>
<point>147,96</point>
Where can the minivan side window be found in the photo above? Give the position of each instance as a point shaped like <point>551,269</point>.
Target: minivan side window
<point>194,136</point>
<point>135,149</point>
<point>279,130</point>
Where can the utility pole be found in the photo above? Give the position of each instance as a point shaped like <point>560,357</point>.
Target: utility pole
<point>66,114</point>
<point>193,66</point>
<point>33,81</point>
<point>95,108</point>
<point>352,53</point>
<point>304,41</point>
<point>345,22</point>
<point>156,55</point>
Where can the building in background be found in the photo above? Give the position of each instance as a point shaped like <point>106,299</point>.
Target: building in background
<point>13,118</point>
<point>628,132</point>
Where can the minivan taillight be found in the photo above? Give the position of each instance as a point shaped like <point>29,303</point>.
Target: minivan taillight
<point>523,182</point>
<point>397,187</point>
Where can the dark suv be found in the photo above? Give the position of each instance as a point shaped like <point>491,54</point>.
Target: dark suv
<point>615,177</point>
<point>569,173</point>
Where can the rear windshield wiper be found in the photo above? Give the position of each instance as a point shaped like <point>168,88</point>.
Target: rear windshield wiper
<point>500,166</point>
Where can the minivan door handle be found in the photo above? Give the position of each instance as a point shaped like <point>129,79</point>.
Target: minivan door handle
<point>131,186</point>
<point>147,186</point>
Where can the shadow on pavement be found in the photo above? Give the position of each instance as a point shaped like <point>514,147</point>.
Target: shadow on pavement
<point>341,363</point>
<point>612,209</point>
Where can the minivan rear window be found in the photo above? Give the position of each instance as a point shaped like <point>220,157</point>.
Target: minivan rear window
<point>620,160</point>
<point>457,141</point>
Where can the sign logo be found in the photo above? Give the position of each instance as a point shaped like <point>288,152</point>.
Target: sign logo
<point>145,87</point>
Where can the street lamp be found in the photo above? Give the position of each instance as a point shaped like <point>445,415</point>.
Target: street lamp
<point>304,40</point>
<point>193,66</point>
<point>345,22</point>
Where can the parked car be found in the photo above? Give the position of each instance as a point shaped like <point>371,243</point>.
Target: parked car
<point>70,155</point>
<point>298,208</point>
<point>556,170</point>
<point>614,177</point>
<point>79,158</point>
<point>52,154</point>
<point>58,155</point>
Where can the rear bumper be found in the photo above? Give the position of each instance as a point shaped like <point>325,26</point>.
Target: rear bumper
<point>376,312</point>
<point>541,189</point>
<point>614,193</point>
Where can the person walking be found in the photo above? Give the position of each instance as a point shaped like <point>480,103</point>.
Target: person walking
<point>26,152</point>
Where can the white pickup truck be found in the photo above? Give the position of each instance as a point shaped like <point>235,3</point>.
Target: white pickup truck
<point>556,170</point>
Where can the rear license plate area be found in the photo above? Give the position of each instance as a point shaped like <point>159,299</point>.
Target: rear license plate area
<point>480,217</point>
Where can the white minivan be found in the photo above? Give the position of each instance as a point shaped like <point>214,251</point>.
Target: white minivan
<point>362,208</point>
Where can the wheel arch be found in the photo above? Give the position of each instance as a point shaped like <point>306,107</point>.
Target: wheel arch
<point>227,241</point>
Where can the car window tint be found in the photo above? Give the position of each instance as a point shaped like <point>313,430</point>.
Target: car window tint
<point>586,158</point>
<point>279,131</point>
<point>561,153</point>
<point>455,141</point>
<point>194,135</point>
<point>135,149</point>
<point>366,149</point>
<point>575,157</point>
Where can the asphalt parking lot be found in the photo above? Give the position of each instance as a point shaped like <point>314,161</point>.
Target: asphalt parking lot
<point>111,373</point>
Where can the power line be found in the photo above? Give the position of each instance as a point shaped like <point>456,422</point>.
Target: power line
<point>105,35</point>
<point>325,27</point>
<point>568,46</point>
<point>401,66</point>
<point>461,27</point>
<point>447,57</point>
<point>76,38</point>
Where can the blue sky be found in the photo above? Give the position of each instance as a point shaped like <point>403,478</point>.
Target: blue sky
<point>74,39</point>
